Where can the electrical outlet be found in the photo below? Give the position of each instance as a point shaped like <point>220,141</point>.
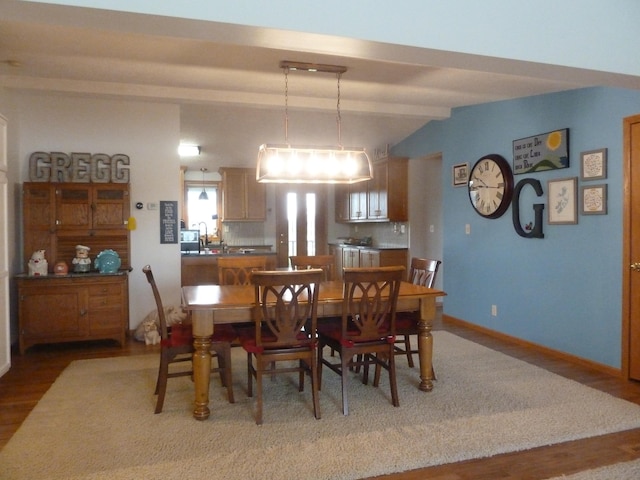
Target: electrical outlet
<point>467,229</point>
<point>494,310</point>
<point>432,229</point>
<point>403,229</point>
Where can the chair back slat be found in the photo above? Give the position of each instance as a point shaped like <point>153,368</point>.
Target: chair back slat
<point>369,303</point>
<point>423,271</point>
<point>324,262</point>
<point>237,270</point>
<point>286,303</point>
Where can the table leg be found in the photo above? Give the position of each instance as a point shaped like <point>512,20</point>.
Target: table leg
<point>425,342</point>
<point>202,331</point>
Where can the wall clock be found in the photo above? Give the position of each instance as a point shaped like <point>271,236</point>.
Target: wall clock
<point>490,186</point>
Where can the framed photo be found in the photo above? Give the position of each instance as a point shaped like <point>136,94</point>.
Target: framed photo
<point>593,164</point>
<point>563,201</point>
<point>594,199</point>
<point>460,174</point>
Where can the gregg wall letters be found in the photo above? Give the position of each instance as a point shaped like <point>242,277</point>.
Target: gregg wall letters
<point>78,167</point>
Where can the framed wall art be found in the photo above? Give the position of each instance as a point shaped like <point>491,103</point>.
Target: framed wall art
<point>593,199</point>
<point>545,151</point>
<point>593,165</point>
<point>563,201</point>
<point>460,174</point>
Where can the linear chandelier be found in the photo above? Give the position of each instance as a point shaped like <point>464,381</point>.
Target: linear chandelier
<point>286,163</point>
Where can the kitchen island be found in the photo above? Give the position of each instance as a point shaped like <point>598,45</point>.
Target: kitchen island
<point>202,268</point>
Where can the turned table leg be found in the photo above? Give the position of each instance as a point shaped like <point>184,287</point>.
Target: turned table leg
<point>202,331</point>
<point>425,342</point>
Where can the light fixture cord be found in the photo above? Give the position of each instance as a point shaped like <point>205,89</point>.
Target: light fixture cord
<point>338,118</point>
<point>286,105</point>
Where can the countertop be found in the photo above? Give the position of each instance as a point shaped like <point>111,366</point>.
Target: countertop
<point>367,247</point>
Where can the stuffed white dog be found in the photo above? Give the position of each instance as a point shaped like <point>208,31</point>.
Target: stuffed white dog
<point>151,335</point>
<point>38,264</point>
<point>172,313</point>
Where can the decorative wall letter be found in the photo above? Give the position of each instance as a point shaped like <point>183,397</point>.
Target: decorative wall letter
<point>535,230</point>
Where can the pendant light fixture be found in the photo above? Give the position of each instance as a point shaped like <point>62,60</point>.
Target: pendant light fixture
<point>285,163</point>
<point>203,194</point>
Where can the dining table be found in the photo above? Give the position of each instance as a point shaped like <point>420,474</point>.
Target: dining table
<point>209,305</point>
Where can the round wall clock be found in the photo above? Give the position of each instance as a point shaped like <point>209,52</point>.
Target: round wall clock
<point>490,186</point>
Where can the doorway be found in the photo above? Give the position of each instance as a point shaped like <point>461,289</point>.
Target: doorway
<point>631,250</point>
<point>301,220</point>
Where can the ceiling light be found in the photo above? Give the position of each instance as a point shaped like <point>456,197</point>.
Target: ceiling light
<point>203,194</point>
<point>286,163</point>
<point>187,150</point>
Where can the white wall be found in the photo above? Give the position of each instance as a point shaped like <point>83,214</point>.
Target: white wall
<point>425,210</point>
<point>149,134</point>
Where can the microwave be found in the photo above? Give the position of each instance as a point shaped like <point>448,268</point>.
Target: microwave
<point>190,241</point>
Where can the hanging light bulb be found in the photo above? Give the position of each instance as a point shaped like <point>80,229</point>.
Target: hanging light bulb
<point>203,194</point>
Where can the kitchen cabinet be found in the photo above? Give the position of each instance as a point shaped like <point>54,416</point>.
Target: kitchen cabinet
<point>384,198</point>
<point>350,256</point>
<point>243,198</point>
<point>66,308</point>
<point>59,216</point>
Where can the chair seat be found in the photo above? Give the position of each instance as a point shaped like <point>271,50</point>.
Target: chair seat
<point>406,321</point>
<point>334,332</point>
<point>181,334</point>
<point>250,345</point>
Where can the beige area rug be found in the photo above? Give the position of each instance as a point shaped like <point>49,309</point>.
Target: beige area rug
<point>97,422</point>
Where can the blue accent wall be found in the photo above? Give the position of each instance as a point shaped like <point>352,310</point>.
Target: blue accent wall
<point>563,291</point>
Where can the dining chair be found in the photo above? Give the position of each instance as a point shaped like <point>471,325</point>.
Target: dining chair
<point>176,347</point>
<point>423,272</point>
<point>325,262</point>
<point>284,302</point>
<point>237,269</point>
<point>366,333</point>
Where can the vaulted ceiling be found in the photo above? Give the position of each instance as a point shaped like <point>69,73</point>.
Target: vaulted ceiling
<point>231,91</point>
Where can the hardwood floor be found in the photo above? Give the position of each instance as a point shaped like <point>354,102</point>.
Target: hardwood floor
<point>33,373</point>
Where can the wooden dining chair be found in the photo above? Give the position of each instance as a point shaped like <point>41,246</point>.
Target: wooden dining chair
<point>325,262</point>
<point>285,301</point>
<point>176,347</point>
<point>366,333</point>
<point>237,270</point>
<point>423,272</point>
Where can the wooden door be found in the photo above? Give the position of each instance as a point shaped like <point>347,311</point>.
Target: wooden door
<point>110,206</point>
<point>631,250</point>
<point>295,235</point>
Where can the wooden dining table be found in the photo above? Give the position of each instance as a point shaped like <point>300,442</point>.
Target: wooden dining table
<point>215,304</point>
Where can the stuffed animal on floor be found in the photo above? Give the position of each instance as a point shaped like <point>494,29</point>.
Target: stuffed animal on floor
<point>151,335</point>
<point>172,313</point>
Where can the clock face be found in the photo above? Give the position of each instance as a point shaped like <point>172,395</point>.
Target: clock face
<point>490,186</point>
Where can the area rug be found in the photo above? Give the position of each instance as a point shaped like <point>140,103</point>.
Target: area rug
<point>97,421</point>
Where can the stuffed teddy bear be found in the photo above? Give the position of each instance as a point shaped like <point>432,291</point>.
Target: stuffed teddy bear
<point>38,265</point>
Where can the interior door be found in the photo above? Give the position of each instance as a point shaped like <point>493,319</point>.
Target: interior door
<point>301,221</point>
<point>631,250</point>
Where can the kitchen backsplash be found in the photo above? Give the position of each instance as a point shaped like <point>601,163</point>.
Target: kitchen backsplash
<point>244,233</point>
<point>383,234</point>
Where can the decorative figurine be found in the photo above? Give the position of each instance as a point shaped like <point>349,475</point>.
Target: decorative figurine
<point>38,265</point>
<point>60,268</point>
<point>82,262</point>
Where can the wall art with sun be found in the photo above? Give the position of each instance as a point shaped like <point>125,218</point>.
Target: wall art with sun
<point>546,151</point>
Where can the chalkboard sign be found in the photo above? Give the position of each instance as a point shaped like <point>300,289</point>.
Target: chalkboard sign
<point>168,222</point>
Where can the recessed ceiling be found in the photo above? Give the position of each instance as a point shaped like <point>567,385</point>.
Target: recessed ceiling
<point>229,85</point>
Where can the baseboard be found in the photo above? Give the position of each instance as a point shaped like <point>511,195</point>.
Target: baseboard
<point>615,372</point>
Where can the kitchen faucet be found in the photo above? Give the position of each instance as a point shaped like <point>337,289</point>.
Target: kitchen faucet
<point>206,234</point>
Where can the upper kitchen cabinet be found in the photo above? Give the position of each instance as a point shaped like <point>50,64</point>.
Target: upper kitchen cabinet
<point>384,198</point>
<point>243,198</point>
<point>93,206</point>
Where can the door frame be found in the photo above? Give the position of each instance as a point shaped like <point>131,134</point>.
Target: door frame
<point>626,245</point>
